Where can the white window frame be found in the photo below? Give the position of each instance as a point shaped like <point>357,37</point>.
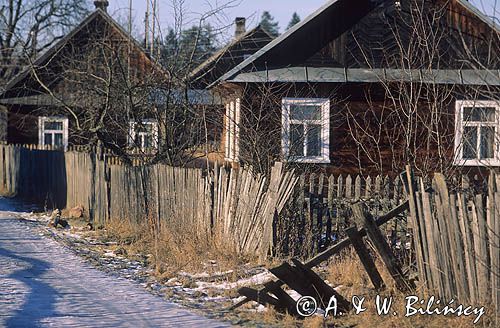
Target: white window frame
<point>42,131</point>
<point>324,103</point>
<point>232,127</point>
<point>133,133</point>
<point>461,123</point>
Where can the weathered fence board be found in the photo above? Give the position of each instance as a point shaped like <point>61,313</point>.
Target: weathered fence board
<point>461,246</point>
<point>234,208</point>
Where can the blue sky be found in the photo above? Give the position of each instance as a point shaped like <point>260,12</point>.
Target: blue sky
<point>282,10</point>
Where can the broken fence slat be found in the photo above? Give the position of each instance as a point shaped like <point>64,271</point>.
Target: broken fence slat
<point>285,301</point>
<point>324,291</point>
<point>318,259</point>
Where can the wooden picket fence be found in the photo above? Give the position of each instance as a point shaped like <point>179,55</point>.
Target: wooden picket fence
<point>320,210</point>
<point>233,208</point>
<point>316,212</point>
<point>457,238</point>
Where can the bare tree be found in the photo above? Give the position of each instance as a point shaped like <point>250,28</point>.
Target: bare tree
<point>137,104</point>
<point>29,27</point>
<point>415,118</point>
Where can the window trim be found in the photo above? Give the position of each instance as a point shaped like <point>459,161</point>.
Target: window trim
<point>232,127</point>
<point>42,131</point>
<point>460,124</point>
<point>132,134</point>
<point>324,103</point>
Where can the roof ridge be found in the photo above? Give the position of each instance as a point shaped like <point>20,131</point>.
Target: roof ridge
<point>317,13</point>
<point>63,41</point>
<point>219,53</point>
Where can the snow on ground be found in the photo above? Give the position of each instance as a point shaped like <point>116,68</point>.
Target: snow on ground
<point>42,283</point>
<point>212,293</point>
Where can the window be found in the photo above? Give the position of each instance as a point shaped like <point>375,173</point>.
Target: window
<point>53,132</point>
<point>232,127</point>
<point>306,130</point>
<point>143,135</point>
<point>477,130</point>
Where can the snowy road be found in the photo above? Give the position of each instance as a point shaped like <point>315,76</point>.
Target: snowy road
<point>44,285</point>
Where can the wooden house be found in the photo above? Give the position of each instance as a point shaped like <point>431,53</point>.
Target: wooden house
<point>89,86</point>
<point>243,45</point>
<point>369,86</point>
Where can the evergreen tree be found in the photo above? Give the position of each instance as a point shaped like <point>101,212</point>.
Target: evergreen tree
<point>198,41</point>
<point>268,23</point>
<point>188,49</point>
<point>295,20</point>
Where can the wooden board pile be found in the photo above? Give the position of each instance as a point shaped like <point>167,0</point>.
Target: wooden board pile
<point>301,278</point>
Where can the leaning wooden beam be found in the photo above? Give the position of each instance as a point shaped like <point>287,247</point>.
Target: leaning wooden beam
<point>344,243</point>
<point>325,291</point>
<point>365,257</point>
<point>364,218</point>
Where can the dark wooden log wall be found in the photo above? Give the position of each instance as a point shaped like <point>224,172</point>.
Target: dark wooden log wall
<point>261,129</point>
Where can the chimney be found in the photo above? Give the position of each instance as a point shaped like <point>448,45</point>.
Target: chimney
<point>101,4</point>
<point>240,26</point>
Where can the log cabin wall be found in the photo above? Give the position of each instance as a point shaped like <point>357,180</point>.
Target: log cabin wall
<point>367,132</point>
<point>77,72</point>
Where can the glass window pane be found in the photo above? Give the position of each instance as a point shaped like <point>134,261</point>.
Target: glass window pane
<point>479,114</point>
<point>58,140</point>
<point>314,140</point>
<point>305,112</point>
<point>53,125</point>
<point>47,141</point>
<point>148,141</point>
<point>297,140</point>
<point>470,142</point>
<point>487,146</point>
<point>144,127</point>
<point>138,140</point>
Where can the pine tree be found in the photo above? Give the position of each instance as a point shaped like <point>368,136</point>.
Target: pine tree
<point>268,23</point>
<point>189,48</point>
<point>198,41</point>
<point>295,20</point>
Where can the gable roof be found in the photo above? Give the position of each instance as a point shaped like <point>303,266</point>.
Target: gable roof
<point>49,54</point>
<point>230,55</point>
<point>342,15</point>
<point>479,14</point>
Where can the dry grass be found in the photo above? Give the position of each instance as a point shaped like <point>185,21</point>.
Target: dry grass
<point>172,250</point>
<point>348,272</point>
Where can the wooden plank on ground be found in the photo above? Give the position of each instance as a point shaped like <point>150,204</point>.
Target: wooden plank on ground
<point>258,296</point>
<point>323,290</point>
<point>285,301</point>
